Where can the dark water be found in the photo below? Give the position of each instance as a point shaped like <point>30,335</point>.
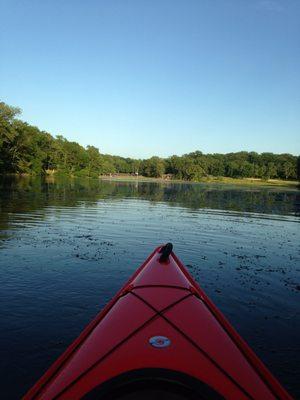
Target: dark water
<point>66,247</point>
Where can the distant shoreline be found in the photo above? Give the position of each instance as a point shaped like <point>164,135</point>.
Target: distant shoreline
<point>214,180</point>
<point>222,180</point>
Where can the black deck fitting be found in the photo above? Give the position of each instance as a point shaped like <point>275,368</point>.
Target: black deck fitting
<point>165,251</point>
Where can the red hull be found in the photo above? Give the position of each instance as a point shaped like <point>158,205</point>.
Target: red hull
<point>160,300</point>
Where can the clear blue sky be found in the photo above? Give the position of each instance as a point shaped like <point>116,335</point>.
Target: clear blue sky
<point>144,77</point>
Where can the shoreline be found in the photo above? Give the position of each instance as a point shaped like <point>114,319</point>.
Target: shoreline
<point>211,180</point>
<point>220,180</point>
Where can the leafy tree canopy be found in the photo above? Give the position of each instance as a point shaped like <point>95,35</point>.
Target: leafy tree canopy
<point>26,149</point>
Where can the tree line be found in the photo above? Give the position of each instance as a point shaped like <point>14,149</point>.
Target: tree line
<point>26,149</point>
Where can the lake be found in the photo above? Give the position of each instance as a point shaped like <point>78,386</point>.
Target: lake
<point>67,245</point>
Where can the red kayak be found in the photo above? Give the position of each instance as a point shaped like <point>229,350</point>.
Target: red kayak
<point>160,337</point>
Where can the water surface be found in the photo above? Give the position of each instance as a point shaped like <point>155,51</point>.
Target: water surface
<point>66,247</point>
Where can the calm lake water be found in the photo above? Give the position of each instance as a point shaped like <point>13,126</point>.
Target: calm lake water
<point>67,246</point>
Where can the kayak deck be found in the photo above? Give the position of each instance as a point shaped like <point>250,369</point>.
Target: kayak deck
<point>160,334</point>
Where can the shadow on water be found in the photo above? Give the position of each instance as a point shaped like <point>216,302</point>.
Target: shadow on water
<point>26,194</point>
<point>67,245</point>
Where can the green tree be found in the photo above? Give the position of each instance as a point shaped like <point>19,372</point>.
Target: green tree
<point>289,170</point>
<point>94,161</point>
<point>153,167</point>
<point>7,135</point>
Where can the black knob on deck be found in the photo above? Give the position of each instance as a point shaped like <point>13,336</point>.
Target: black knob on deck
<point>165,251</point>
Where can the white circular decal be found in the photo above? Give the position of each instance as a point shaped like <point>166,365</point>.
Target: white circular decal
<point>160,341</point>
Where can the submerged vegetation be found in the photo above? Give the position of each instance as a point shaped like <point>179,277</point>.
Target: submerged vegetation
<point>25,149</point>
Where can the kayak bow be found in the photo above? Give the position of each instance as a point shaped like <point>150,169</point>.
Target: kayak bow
<point>160,337</point>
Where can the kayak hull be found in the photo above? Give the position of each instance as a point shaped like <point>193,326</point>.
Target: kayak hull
<point>159,328</point>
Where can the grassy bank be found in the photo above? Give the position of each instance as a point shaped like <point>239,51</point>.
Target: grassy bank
<point>221,180</point>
